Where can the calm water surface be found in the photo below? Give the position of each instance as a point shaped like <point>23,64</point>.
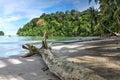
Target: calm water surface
<point>10,46</point>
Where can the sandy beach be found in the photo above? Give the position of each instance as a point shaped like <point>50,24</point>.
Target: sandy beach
<point>102,56</point>
<point>17,68</point>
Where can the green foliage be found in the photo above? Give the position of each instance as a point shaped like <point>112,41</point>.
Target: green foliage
<point>75,23</point>
<point>110,14</point>
<point>70,23</point>
<point>1,33</point>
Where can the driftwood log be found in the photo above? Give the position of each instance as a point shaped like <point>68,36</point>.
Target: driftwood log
<point>63,69</point>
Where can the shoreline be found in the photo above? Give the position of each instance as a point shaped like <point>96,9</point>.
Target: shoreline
<point>102,56</point>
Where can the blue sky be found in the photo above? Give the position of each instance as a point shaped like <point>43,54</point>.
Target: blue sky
<point>15,13</point>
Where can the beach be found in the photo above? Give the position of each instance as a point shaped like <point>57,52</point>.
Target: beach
<point>17,68</point>
<point>102,56</point>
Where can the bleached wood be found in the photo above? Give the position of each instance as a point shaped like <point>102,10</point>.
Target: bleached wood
<point>63,69</point>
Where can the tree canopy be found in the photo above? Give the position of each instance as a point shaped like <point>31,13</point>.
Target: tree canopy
<point>1,33</point>
<point>109,14</point>
<point>90,22</point>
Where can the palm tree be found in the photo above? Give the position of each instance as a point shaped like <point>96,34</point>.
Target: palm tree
<point>110,10</point>
<point>93,17</point>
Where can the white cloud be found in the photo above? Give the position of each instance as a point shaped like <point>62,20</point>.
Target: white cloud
<point>7,27</point>
<point>25,6</point>
<point>12,18</point>
<point>81,5</point>
<point>21,7</point>
<point>12,11</point>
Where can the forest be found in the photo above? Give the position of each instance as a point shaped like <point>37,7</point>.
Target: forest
<point>90,22</point>
<point>1,33</point>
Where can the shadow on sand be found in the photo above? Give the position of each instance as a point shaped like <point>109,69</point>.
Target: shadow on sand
<point>102,56</point>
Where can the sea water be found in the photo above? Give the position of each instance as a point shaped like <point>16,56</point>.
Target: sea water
<point>12,45</point>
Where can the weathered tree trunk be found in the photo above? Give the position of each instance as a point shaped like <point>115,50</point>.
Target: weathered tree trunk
<point>63,69</point>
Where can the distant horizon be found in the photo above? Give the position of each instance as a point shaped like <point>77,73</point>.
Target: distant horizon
<point>13,15</point>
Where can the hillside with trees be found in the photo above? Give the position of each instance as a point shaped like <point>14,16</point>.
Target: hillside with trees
<point>90,22</point>
<point>1,33</point>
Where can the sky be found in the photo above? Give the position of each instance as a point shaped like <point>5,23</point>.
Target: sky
<point>16,13</point>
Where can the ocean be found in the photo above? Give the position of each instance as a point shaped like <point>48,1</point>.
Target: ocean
<point>12,45</point>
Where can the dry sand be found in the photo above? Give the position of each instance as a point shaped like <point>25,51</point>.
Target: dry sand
<point>17,68</point>
<point>102,56</point>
